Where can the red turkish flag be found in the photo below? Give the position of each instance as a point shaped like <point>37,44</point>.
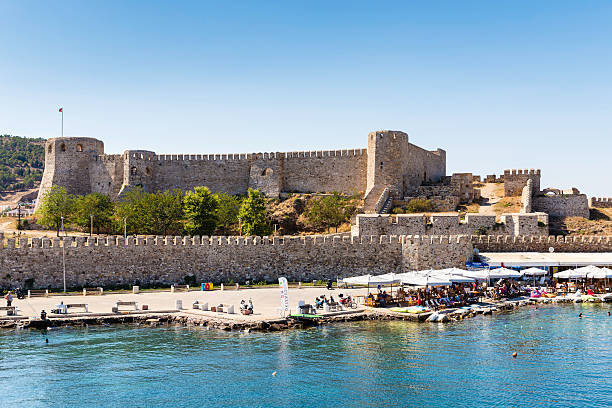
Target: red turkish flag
<point>61,109</point>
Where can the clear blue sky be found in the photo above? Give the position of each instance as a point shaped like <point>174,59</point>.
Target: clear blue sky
<point>497,84</point>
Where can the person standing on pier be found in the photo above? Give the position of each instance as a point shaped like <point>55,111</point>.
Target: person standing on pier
<point>9,298</point>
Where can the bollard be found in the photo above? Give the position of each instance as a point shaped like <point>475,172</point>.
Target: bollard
<point>222,287</point>
<point>300,285</point>
<point>135,289</point>
<point>204,306</point>
<point>171,288</point>
<point>237,286</point>
<point>84,292</point>
<point>179,304</point>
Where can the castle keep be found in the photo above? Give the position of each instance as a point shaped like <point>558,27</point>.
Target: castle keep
<point>390,164</point>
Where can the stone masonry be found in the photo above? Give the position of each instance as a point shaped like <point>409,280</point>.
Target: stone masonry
<point>598,202</point>
<point>515,180</point>
<point>147,261</point>
<point>449,224</point>
<point>80,165</point>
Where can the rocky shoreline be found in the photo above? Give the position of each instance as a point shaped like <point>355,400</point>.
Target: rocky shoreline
<point>191,319</point>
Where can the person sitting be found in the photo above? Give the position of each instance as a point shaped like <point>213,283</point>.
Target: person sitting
<point>250,305</point>
<point>590,292</point>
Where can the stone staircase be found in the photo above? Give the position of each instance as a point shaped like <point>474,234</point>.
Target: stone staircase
<point>386,209</point>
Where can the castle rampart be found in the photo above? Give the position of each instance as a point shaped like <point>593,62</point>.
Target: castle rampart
<point>508,243</point>
<point>515,180</point>
<point>80,165</point>
<point>599,202</point>
<point>166,260</point>
<point>449,224</point>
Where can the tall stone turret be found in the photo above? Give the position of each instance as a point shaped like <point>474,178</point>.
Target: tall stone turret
<point>67,164</point>
<point>387,152</point>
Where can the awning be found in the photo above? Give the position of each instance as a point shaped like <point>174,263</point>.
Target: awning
<point>546,259</point>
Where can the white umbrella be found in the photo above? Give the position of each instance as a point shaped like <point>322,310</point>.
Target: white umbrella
<point>571,274</point>
<point>454,275</point>
<point>486,274</point>
<point>424,280</point>
<point>372,280</point>
<point>600,273</point>
<point>502,273</point>
<point>534,272</point>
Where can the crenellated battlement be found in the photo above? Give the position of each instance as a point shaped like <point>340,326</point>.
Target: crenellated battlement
<point>524,172</point>
<point>600,202</point>
<point>542,243</point>
<point>239,156</point>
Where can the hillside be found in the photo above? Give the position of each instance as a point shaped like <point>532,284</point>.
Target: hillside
<point>21,163</point>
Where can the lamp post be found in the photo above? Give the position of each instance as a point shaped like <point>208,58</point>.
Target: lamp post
<point>91,225</point>
<point>124,227</point>
<point>64,254</point>
<point>240,226</point>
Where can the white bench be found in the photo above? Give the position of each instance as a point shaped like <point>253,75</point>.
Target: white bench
<point>179,288</point>
<point>10,310</point>
<point>120,303</point>
<point>80,305</point>
<point>36,293</point>
<point>93,291</point>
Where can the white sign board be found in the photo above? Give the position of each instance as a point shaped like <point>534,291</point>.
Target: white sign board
<point>284,295</point>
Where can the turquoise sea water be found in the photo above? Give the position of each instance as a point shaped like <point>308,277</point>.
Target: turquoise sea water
<point>563,361</point>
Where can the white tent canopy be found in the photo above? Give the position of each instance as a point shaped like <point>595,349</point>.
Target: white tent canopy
<point>421,279</point>
<point>578,273</point>
<point>372,280</point>
<point>486,274</point>
<point>534,272</point>
<point>602,273</point>
<point>454,275</point>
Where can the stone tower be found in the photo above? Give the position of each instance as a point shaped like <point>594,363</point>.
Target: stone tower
<point>387,153</point>
<point>67,164</point>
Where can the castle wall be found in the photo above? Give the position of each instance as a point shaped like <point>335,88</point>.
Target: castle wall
<point>168,260</point>
<point>515,180</point>
<point>149,261</point>
<point>424,166</point>
<point>507,243</point>
<point>220,173</point>
<point>325,171</point>
<point>599,202</point>
<point>106,174</point>
<point>433,252</point>
<point>88,169</point>
<point>448,224</point>
<point>575,205</point>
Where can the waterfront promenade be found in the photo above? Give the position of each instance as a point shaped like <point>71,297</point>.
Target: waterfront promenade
<point>266,301</point>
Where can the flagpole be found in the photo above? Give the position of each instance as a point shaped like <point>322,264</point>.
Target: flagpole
<point>62,122</point>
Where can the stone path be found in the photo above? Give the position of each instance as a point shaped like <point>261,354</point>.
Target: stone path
<point>489,198</point>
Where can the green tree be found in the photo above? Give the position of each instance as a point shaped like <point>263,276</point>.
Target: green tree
<point>96,204</point>
<point>56,205</point>
<point>329,211</point>
<point>417,205</point>
<point>253,214</point>
<point>131,209</point>
<point>227,213</point>
<point>200,207</point>
<point>158,213</point>
<point>164,212</point>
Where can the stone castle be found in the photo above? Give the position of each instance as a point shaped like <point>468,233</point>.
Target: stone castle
<point>390,165</point>
<point>389,172</point>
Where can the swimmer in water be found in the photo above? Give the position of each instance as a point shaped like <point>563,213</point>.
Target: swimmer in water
<point>580,315</point>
